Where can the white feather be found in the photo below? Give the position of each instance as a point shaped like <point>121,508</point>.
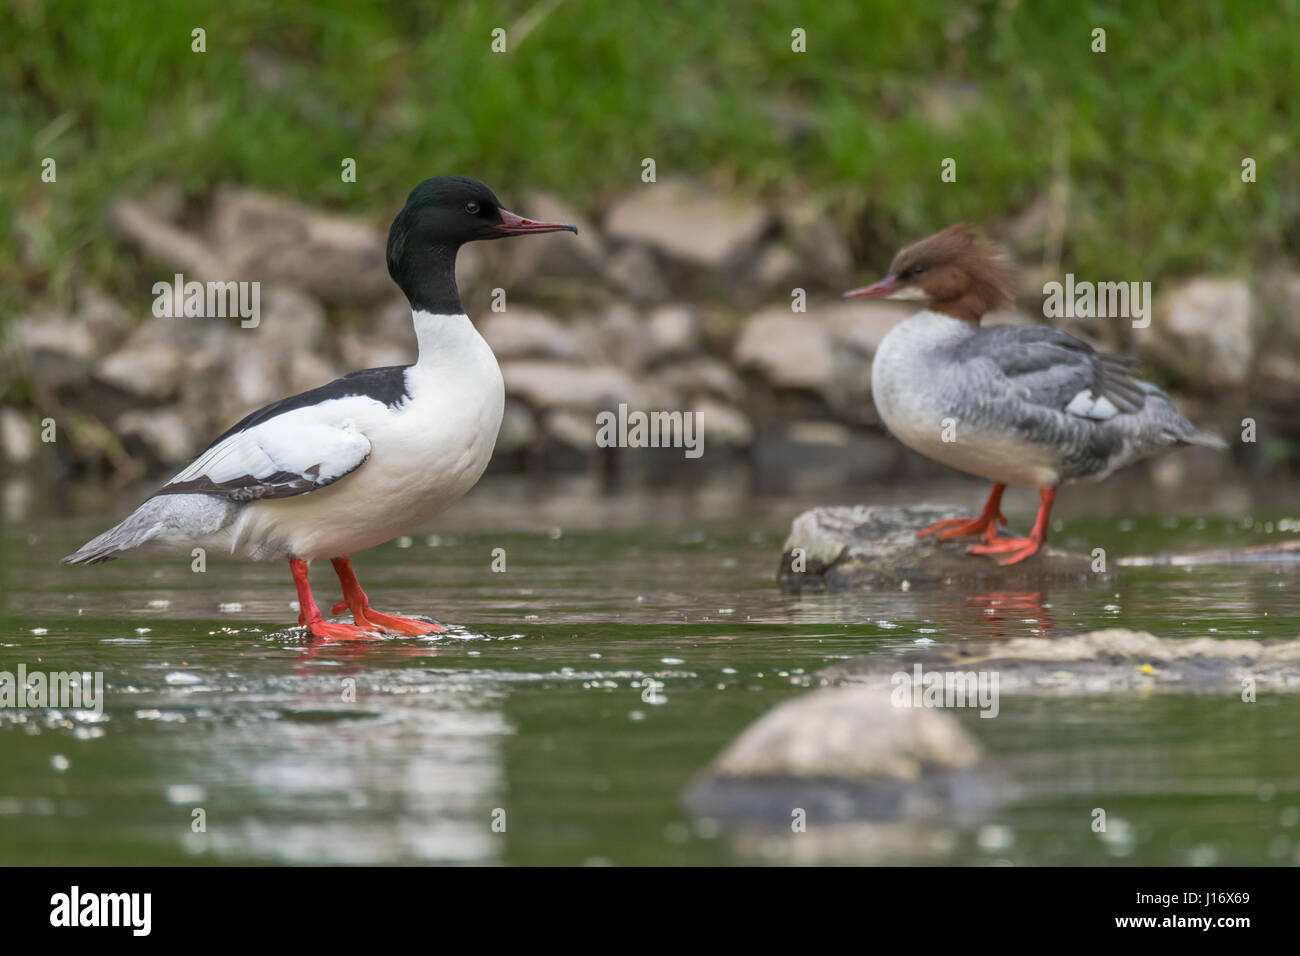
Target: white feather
<point>323,435</point>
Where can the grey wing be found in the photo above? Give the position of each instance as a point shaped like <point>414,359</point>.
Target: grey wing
<point>1054,370</point>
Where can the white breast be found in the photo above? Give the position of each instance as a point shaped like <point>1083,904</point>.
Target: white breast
<point>427,451</point>
<point>925,401</point>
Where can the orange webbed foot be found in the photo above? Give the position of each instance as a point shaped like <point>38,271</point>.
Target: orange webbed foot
<point>366,616</point>
<point>1008,551</point>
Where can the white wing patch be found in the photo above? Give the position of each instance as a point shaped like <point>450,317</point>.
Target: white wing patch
<point>1087,405</point>
<point>292,453</point>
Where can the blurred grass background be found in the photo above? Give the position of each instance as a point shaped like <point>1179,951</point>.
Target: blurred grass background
<point>1149,135</point>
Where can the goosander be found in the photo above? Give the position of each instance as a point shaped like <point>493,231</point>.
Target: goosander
<point>1018,405</point>
<point>354,463</point>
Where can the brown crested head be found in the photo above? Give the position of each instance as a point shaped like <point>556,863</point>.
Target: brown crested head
<point>956,271</point>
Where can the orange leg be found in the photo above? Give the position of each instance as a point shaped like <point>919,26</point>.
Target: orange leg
<point>1014,550</point>
<point>356,601</point>
<point>985,525</point>
<point>309,615</point>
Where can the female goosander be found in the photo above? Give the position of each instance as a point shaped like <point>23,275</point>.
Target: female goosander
<point>354,463</point>
<point>1019,404</point>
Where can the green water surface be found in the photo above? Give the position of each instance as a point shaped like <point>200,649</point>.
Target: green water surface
<point>522,736</point>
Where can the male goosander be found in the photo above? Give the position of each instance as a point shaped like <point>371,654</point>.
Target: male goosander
<point>355,463</point>
<point>1019,404</point>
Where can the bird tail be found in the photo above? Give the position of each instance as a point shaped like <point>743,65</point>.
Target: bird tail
<point>142,525</point>
<point>1205,440</point>
<point>169,518</point>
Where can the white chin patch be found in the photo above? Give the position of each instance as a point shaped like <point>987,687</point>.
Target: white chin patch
<point>907,294</point>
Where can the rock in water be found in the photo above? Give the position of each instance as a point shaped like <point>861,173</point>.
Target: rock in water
<point>846,754</point>
<point>875,546</point>
<point>1099,662</point>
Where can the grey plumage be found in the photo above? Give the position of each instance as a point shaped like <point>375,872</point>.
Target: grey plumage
<point>1050,388</point>
<point>164,518</point>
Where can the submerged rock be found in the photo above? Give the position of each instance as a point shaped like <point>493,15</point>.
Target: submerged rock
<point>841,548</point>
<point>845,754</point>
<point>1098,662</point>
<point>1283,552</point>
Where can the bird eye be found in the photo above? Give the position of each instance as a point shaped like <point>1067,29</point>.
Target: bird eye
<point>471,207</point>
<point>914,271</point>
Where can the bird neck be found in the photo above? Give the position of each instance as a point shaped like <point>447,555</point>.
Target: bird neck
<point>444,338</point>
<point>430,285</point>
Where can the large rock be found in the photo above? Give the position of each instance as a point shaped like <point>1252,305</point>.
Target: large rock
<point>166,433</point>
<point>673,331</point>
<point>827,351</point>
<point>819,244</point>
<point>722,424</point>
<point>142,225</point>
<point>261,237</point>
<point>701,375</point>
<point>54,350</point>
<point>688,222</point>
<point>845,754</point>
<point>1098,662</point>
<point>524,333</point>
<point>152,371</point>
<point>634,272</point>
<point>843,548</point>
<point>789,350</point>
<point>545,385</point>
<point>1204,329</point>
<point>18,435</point>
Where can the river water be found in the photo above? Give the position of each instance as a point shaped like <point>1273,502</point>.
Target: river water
<point>522,735</point>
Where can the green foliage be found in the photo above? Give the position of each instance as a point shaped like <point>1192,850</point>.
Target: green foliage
<point>1150,134</point>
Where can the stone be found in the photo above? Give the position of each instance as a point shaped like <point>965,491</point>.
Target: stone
<point>622,337</point>
<point>1204,328</point>
<point>861,326</point>
<point>788,349</point>
<point>818,244</point>
<point>166,243</point>
<point>572,429</point>
<point>724,425</point>
<point>18,435</point>
<point>308,370</point>
<point>688,222</point>
<point>775,267</point>
<point>163,431</point>
<point>290,320</point>
<point>152,371</point>
<point>518,429</point>
<point>546,385</point>
<point>335,258</point>
<point>849,734</point>
<point>846,754</point>
<point>1115,660</point>
<point>673,330</point>
<point>103,318</point>
<point>875,547</point>
<point>54,349</point>
<point>634,272</point>
<point>701,376</point>
<point>525,333</point>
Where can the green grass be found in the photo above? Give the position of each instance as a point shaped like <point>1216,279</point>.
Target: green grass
<point>1154,130</point>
